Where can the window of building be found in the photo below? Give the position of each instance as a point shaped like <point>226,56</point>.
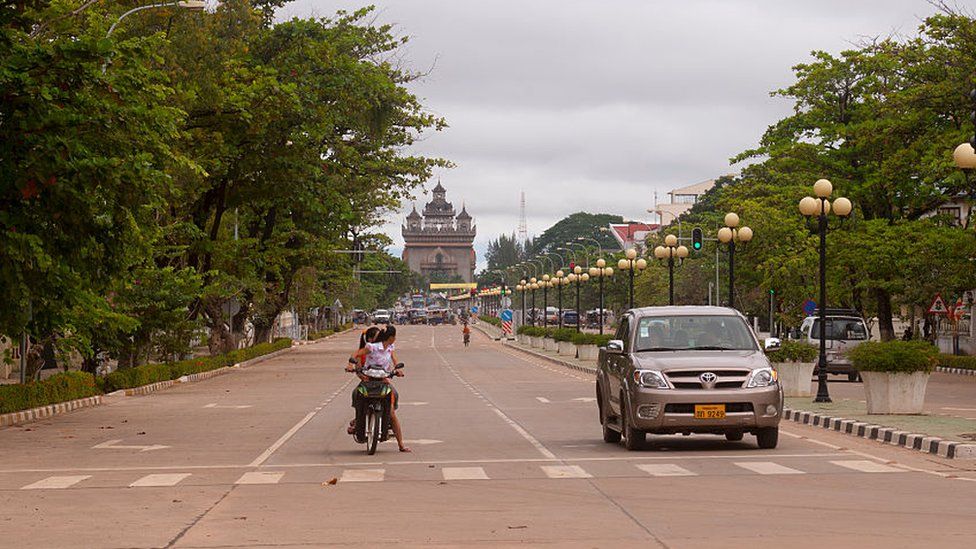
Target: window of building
<point>685,198</point>
<point>953,212</point>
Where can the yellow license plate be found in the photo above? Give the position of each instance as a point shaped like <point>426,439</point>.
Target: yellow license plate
<point>709,411</point>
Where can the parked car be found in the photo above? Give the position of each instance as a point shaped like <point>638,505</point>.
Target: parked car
<point>686,370</point>
<point>418,316</point>
<point>570,318</point>
<point>844,330</point>
<point>381,316</point>
<point>552,316</point>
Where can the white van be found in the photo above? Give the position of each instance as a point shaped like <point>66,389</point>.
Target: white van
<point>845,330</point>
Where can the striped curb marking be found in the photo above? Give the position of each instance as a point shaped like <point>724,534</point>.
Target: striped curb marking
<point>886,435</point>
<point>960,371</point>
<point>34,414</point>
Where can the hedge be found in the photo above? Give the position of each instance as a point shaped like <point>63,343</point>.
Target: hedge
<point>583,338</point>
<point>955,361</point>
<point>329,331</point>
<point>533,331</point>
<point>494,321</point>
<point>563,334</point>
<point>154,373</point>
<point>894,356</point>
<point>794,351</point>
<point>57,388</point>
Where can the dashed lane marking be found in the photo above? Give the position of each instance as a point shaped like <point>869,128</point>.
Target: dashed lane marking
<point>768,468</point>
<point>565,471</point>
<point>260,477</point>
<point>159,479</point>
<point>665,470</point>
<point>56,483</point>
<point>865,466</point>
<point>464,473</point>
<point>363,475</point>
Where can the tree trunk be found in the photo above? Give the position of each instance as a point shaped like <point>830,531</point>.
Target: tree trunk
<point>885,324</point>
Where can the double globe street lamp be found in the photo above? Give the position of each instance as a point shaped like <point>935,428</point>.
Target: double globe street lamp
<point>670,251</point>
<point>601,271</point>
<point>633,265</point>
<point>578,277</point>
<point>820,207</point>
<point>730,234</point>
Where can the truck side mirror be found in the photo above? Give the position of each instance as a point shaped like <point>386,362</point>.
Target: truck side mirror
<point>615,346</point>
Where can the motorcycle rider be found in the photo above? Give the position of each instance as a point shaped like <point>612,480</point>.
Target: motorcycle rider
<point>369,335</point>
<point>380,354</point>
<point>466,331</point>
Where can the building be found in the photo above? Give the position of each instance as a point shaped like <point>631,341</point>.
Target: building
<point>440,243</point>
<point>632,234</point>
<point>681,200</point>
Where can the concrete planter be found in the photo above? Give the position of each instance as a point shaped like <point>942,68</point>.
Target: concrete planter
<point>796,378</point>
<point>550,344</point>
<point>5,370</point>
<point>523,339</point>
<point>895,393</point>
<point>588,352</point>
<point>566,348</point>
<point>535,342</point>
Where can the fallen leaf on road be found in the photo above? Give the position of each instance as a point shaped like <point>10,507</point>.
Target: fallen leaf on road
<point>240,518</point>
<point>517,527</point>
<point>330,482</point>
<point>141,433</point>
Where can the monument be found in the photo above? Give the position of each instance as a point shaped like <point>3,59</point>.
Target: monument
<point>440,243</point>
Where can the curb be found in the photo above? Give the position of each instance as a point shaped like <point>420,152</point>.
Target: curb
<point>570,365</point>
<point>43,412</point>
<point>959,371</point>
<point>885,435</point>
<point>319,340</point>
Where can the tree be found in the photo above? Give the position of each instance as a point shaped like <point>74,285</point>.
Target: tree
<point>570,228</point>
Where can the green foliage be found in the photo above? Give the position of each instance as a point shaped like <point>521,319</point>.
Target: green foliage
<point>894,356</point>
<point>323,333</point>
<point>154,373</point>
<point>57,388</point>
<point>794,351</point>
<point>563,334</point>
<point>580,224</point>
<point>493,320</point>
<point>533,331</point>
<point>583,338</point>
<point>957,361</point>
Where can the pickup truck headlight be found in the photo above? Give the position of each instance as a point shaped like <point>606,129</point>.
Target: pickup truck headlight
<point>650,379</point>
<point>761,377</point>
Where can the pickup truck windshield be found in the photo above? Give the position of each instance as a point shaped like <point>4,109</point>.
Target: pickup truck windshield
<point>693,332</point>
<point>841,329</point>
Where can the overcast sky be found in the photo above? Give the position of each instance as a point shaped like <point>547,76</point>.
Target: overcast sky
<point>596,105</point>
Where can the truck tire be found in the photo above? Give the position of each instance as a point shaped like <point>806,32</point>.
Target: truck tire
<point>767,437</point>
<point>634,439</point>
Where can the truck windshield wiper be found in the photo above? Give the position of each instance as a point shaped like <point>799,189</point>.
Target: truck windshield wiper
<point>710,348</point>
<point>658,349</point>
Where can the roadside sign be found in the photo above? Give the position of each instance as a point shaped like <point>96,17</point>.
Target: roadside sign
<point>474,310</point>
<point>809,306</point>
<point>505,315</point>
<point>506,301</point>
<point>938,306</point>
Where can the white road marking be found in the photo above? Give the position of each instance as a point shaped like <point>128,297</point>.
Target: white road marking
<point>665,470</point>
<point>291,432</point>
<point>363,475</point>
<point>768,468</point>
<point>585,399</point>
<point>565,471</point>
<point>414,403</point>
<point>423,441</point>
<point>525,434</point>
<point>56,483</point>
<point>464,473</point>
<point>168,479</point>
<point>232,407</point>
<point>114,445</point>
<point>260,477</point>
<point>543,400</point>
<point>866,466</point>
<point>959,409</point>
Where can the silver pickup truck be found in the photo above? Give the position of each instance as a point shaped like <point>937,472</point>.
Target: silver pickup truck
<point>686,370</point>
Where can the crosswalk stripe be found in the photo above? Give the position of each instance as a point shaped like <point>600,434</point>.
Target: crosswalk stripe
<point>160,479</point>
<point>866,466</point>
<point>665,470</point>
<point>565,471</point>
<point>768,468</point>
<point>56,483</point>
<point>260,477</point>
<point>363,475</point>
<point>464,473</point>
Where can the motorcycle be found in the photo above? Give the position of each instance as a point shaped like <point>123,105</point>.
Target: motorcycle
<point>373,420</point>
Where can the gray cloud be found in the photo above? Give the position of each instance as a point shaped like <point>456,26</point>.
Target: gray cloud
<point>595,105</point>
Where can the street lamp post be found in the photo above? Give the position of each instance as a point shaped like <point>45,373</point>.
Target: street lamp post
<point>633,265</point>
<point>965,154</point>
<point>533,285</point>
<point>545,300</point>
<point>560,281</point>
<point>669,251</point>
<point>820,207</point>
<point>521,288</point>
<point>578,277</point>
<point>729,234</point>
<point>601,271</point>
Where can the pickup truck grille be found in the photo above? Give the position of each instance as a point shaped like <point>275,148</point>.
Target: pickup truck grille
<point>690,379</point>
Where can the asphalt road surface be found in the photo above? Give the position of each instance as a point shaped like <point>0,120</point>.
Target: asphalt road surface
<point>507,451</point>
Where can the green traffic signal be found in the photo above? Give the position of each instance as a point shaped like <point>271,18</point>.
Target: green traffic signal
<point>697,239</point>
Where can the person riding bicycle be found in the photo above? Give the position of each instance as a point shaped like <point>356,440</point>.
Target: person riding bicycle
<point>380,355</point>
<point>466,330</point>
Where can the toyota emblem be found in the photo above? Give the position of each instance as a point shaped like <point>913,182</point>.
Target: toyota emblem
<point>708,379</point>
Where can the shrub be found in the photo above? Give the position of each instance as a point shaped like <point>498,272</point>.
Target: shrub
<point>563,334</point>
<point>532,331</point>
<point>583,338</point>
<point>494,321</point>
<point>954,361</point>
<point>57,388</point>
<point>794,351</point>
<point>894,356</point>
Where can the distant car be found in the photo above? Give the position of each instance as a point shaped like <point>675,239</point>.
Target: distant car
<point>570,318</point>
<point>686,370</point>
<point>844,330</point>
<point>552,315</point>
<point>381,316</point>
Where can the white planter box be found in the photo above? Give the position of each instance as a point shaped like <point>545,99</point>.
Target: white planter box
<point>588,352</point>
<point>895,393</point>
<point>523,339</point>
<point>566,348</point>
<point>796,378</point>
<point>535,342</point>
<point>5,370</point>
<point>550,344</point>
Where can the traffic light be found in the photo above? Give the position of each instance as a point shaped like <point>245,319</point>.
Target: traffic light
<point>697,238</point>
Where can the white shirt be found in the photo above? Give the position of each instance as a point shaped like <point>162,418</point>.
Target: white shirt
<point>379,357</point>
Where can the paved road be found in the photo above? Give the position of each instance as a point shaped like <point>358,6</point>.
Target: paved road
<point>946,394</point>
<point>507,451</point>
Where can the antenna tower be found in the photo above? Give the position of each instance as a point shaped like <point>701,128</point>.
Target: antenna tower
<point>523,230</point>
